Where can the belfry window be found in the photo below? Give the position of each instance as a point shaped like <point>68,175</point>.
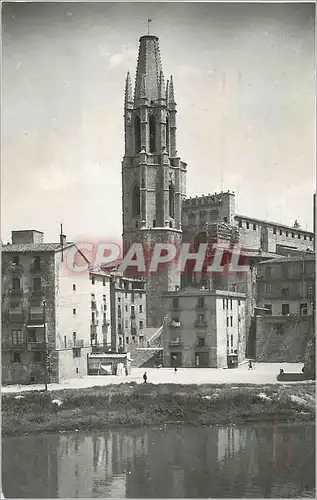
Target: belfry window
<point>136,201</point>
<point>137,134</point>
<point>152,134</point>
<point>171,200</point>
<point>167,135</point>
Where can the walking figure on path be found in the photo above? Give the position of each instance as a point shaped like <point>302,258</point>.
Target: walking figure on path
<point>144,378</point>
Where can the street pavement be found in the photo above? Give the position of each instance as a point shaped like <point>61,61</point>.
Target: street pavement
<point>262,373</point>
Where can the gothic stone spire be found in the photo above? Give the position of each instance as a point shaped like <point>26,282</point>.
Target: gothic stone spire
<point>128,97</point>
<point>149,65</point>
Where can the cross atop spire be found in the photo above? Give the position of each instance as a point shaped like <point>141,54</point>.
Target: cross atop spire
<point>148,25</point>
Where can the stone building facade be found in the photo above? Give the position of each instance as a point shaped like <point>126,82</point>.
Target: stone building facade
<point>153,176</point>
<point>128,312</point>
<point>204,328</point>
<point>49,313</point>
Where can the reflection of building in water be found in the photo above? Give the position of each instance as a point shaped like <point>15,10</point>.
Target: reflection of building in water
<point>231,440</point>
<point>30,463</point>
<point>97,464</point>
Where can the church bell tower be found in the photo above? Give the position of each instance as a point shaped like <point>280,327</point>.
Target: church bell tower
<point>153,176</point>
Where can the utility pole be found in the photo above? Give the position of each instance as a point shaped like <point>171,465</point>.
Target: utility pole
<point>45,345</point>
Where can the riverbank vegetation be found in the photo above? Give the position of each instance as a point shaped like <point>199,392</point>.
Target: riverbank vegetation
<point>133,404</point>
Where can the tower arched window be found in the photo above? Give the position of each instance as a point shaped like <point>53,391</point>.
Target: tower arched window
<point>137,134</point>
<point>136,205</point>
<point>167,135</point>
<point>152,122</point>
<point>172,200</point>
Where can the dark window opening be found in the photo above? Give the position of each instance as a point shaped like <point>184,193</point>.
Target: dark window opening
<point>248,225</point>
<point>240,223</point>
<point>16,260</point>
<point>285,309</point>
<point>268,309</point>
<point>274,231</point>
<point>167,135</point>
<point>77,354</point>
<point>201,342</point>
<point>137,132</point>
<point>37,357</point>
<point>136,201</point>
<point>171,200</point>
<point>152,134</point>
<point>225,219</point>
<point>16,357</point>
<point>254,227</point>
<point>37,262</point>
<point>16,284</point>
<point>154,222</point>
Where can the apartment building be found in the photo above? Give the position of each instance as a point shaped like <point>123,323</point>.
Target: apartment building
<point>286,285</point>
<point>204,328</point>
<point>128,312</point>
<point>51,317</point>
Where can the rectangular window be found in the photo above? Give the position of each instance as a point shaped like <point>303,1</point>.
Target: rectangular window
<point>285,309</point>
<point>281,232</point>
<point>37,284</point>
<point>201,342</point>
<point>74,287</point>
<point>74,311</point>
<point>268,309</point>
<point>140,308</point>
<point>268,271</point>
<point>93,281</point>
<point>77,353</point>
<point>231,320</point>
<point>254,227</point>
<point>127,340</point>
<point>269,288</point>
<point>285,292</point>
<point>248,225</point>
<point>201,302</point>
<point>17,337</point>
<point>104,318</point>
<point>74,337</point>
<point>293,235</point>
<point>303,309</point>
<point>132,312</point>
<point>141,325</point>
<point>104,298</point>
<point>32,336</point>
<point>274,231</point>
<point>231,304</point>
<point>240,223</point>
<point>286,233</point>
<point>132,297</point>
<point>140,295</point>
<point>227,320</point>
<point>126,308</point>
<point>126,323</point>
<point>104,281</point>
<point>231,338</point>
<point>16,284</point>
<point>126,295</point>
<point>16,260</point>
<point>37,357</point>
<point>16,357</point>
<point>225,219</point>
<point>223,304</point>
<point>65,341</point>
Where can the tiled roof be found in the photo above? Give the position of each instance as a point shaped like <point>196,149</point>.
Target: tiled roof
<point>308,256</point>
<point>34,247</point>
<point>274,224</point>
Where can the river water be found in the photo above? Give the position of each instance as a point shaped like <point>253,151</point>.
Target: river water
<point>271,460</point>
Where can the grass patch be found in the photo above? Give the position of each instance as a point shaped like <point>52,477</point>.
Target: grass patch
<point>99,408</point>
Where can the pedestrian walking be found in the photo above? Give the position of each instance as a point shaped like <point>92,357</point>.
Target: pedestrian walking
<point>144,378</point>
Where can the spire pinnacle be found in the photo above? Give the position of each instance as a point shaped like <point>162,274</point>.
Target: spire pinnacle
<point>128,97</point>
<point>171,96</point>
<point>149,67</point>
<point>161,86</point>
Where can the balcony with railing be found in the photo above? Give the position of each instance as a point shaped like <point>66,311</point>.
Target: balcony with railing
<point>201,323</point>
<point>16,292</point>
<point>16,316</point>
<point>175,343</point>
<point>175,323</point>
<point>36,346</point>
<point>15,268</point>
<point>36,319</point>
<point>75,343</point>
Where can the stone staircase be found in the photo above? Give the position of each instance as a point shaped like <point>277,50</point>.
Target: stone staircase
<point>148,356</point>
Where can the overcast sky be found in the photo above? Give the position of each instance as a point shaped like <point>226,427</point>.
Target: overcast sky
<point>244,85</point>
